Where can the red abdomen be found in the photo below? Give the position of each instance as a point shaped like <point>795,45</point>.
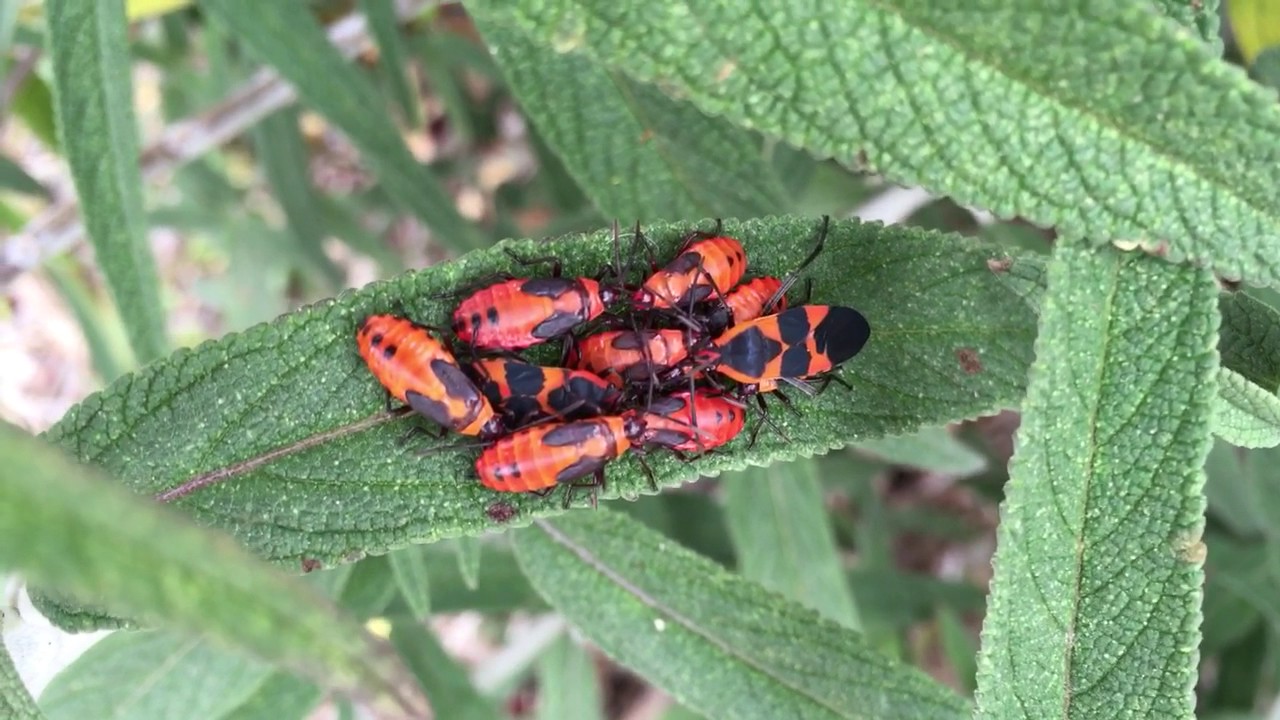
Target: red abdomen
<point>543,456</point>
<point>704,269</point>
<point>520,313</point>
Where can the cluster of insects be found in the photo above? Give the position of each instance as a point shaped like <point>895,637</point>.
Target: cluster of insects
<point>669,363</point>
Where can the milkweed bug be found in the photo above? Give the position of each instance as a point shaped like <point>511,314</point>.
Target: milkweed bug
<point>542,457</point>
<point>702,423</point>
<point>625,357</point>
<point>419,371</point>
<point>525,392</point>
<point>517,313</point>
<point>705,267</point>
<point>802,342</point>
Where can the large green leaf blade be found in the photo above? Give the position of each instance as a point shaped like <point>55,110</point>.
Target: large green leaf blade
<point>1102,118</point>
<point>635,152</point>
<point>678,619</point>
<point>65,526</point>
<point>288,426</point>
<point>1245,414</point>
<point>286,36</point>
<point>1094,609</point>
<point>94,98</point>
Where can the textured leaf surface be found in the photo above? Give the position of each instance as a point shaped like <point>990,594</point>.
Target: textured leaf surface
<point>286,36</point>
<point>1250,339</point>
<point>930,449</point>
<point>411,577</point>
<point>1094,610</point>
<point>680,620</point>
<point>951,339</point>
<point>635,152</point>
<point>89,49</point>
<point>1102,118</point>
<point>71,529</point>
<point>780,528</point>
<point>15,701</point>
<point>1245,414</point>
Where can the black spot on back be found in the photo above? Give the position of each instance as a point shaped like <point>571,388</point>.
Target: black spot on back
<point>688,262</point>
<point>841,334</point>
<point>795,362</point>
<point>558,324</point>
<point>474,321</point>
<point>457,386</point>
<point>749,352</point>
<point>525,379</point>
<point>376,340</point>
<point>491,315</point>
<point>389,351</point>
<point>548,287</point>
<point>793,326</point>
<point>581,468</point>
<point>523,410</point>
<point>574,433</point>
<point>629,340</point>
<point>428,408</point>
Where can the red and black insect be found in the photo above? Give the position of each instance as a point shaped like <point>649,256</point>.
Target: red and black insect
<point>526,393</point>
<point>516,313</point>
<point>800,343</point>
<point>629,357</point>
<point>416,369</point>
<point>692,422</point>
<point>540,458</point>
<point>705,267</point>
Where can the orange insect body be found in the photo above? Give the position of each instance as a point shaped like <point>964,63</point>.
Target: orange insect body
<point>543,456</point>
<point>516,314</point>
<point>709,421</point>
<point>704,269</point>
<point>747,301</point>
<point>417,370</point>
<point>527,392</point>
<point>797,343</point>
<point>620,357</point>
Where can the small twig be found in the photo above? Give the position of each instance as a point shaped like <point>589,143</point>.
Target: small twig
<point>59,227</point>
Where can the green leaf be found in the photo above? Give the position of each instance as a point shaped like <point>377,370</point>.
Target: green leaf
<point>280,696</point>
<point>381,15</point>
<point>285,36</point>
<point>636,153</point>
<point>1245,414</point>
<point>894,600</point>
<point>779,525</point>
<point>411,576</point>
<point>33,104</point>
<point>283,153</point>
<point>932,448</point>
<point>469,560</point>
<point>103,333</point>
<point>1250,339</point>
<point>89,48</point>
<point>15,702</point>
<point>284,422</point>
<point>959,647</point>
<point>500,586</point>
<point>444,681</point>
<point>678,619</point>
<point>1242,491</point>
<point>1103,118</point>
<point>13,177</point>
<point>67,527</point>
<point>568,683</point>
<point>1095,603</point>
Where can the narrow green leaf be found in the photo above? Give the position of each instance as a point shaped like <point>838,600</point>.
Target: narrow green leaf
<point>500,586</point>
<point>1250,339</point>
<point>409,568</point>
<point>1101,118</point>
<point>469,549</point>
<point>444,681</point>
<point>959,647</point>
<point>65,526</point>
<point>372,587</point>
<point>33,104</point>
<point>381,15</point>
<point>636,153</point>
<point>1095,604</point>
<point>568,683</point>
<point>15,702</point>
<point>1239,676</point>
<point>285,36</point>
<point>1245,414</point>
<point>285,423</point>
<point>677,619</point>
<point>779,525</point>
<point>108,348</point>
<point>932,448</point>
<point>13,177</point>
<point>890,598</point>
<point>280,696</point>
<point>88,45</point>
<point>280,147</point>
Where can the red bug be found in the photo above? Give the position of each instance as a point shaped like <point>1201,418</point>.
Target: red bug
<point>516,313</point>
<point>707,421</point>
<point>706,266</point>
<point>525,392</point>
<point>624,357</point>
<point>417,370</point>
<point>539,458</point>
<point>802,342</point>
